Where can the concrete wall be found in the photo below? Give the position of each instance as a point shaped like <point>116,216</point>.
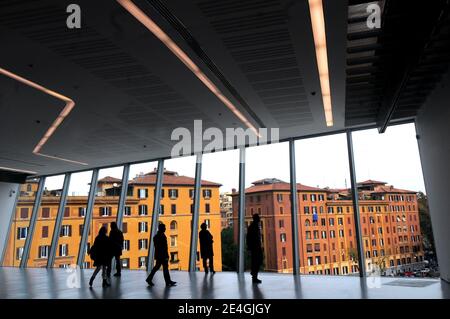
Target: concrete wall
<point>8,194</point>
<point>433,129</point>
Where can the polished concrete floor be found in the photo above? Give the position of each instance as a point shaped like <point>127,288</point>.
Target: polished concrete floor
<point>61,284</point>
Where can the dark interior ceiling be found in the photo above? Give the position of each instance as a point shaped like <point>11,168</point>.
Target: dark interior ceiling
<point>131,91</point>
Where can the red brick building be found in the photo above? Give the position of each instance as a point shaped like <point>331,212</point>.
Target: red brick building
<point>389,223</point>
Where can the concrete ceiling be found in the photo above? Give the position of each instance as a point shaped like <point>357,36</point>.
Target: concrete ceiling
<point>131,91</point>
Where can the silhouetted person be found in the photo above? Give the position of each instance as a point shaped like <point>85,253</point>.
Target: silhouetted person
<point>161,257</point>
<point>255,248</point>
<point>101,254</point>
<point>206,248</point>
<point>116,237</point>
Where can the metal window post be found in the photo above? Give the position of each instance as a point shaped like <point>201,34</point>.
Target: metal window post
<point>155,215</point>
<point>10,226</point>
<point>32,226</point>
<point>359,242</point>
<point>123,195</point>
<point>195,215</point>
<point>241,212</point>
<point>58,221</point>
<point>88,218</point>
<point>294,210</point>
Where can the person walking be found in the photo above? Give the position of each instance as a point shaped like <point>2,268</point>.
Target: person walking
<point>161,257</point>
<point>116,237</point>
<point>101,254</point>
<point>206,248</point>
<point>255,248</point>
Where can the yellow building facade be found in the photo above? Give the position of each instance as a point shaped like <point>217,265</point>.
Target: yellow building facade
<point>176,214</point>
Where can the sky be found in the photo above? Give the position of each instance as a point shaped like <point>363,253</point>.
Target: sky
<point>392,157</point>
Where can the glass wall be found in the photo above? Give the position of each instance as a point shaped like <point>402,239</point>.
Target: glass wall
<point>20,223</point>
<point>326,223</point>
<point>268,195</point>
<point>138,213</point>
<point>73,219</point>
<point>176,208</point>
<point>45,225</point>
<point>397,235</point>
<point>221,168</point>
<point>106,202</point>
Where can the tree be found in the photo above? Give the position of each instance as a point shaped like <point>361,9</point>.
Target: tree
<point>229,250</point>
<point>425,223</point>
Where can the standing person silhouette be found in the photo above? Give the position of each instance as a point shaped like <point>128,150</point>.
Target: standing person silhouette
<point>161,257</point>
<point>206,248</point>
<point>116,237</point>
<point>255,248</point>
<point>101,254</point>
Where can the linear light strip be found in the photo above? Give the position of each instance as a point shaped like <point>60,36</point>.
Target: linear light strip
<point>70,104</point>
<point>320,43</point>
<point>17,170</point>
<point>182,56</point>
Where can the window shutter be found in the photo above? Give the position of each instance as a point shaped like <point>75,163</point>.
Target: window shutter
<point>24,212</point>
<point>70,230</point>
<point>100,211</point>
<point>67,212</point>
<point>124,227</point>
<point>146,193</point>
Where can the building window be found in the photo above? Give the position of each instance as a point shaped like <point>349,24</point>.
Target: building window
<point>281,223</point>
<point>67,212</point>
<point>63,250</point>
<point>105,211</point>
<point>341,233</point>
<point>332,234</point>
<point>283,237</point>
<point>206,193</point>
<point>22,232</point>
<point>331,221</point>
<point>44,231</point>
<point>330,210</point>
<point>66,231</point>
<point>125,228</point>
<point>307,223</point>
<point>143,227</point>
<point>306,209</point>
<point>173,193</point>
<point>173,240</point>
<point>173,209</point>
<point>207,208</point>
<point>281,210</point>
<point>317,247</point>
<point>142,262</point>
<point>173,225</point>
<point>19,253</point>
<point>143,193</point>
<point>161,209</point>
<point>313,197</point>
<point>125,263</point>
<point>308,234</point>
<point>127,211</point>
<point>309,248</point>
<point>143,243</point>
<point>126,245</point>
<point>45,212</point>
<point>43,252</point>
<point>279,198</point>
<point>24,213</point>
<point>191,193</point>
<point>81,211</point>
<point>174,257</point>
<point>143,210</point>
<point>317,260</point>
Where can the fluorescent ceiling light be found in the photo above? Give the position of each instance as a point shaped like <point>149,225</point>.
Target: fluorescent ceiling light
<point>320,43</point>
<point>70,104</point>
<point>17,170</point>
<point>182,56</point>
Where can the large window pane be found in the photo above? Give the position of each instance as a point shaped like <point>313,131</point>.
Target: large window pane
<point>221,168</point>
<point>326,224</point>
<point>106,202</point>
<point>20,223</point>
<point>397,235</point>
<point>267,194</point>
<point>73,219</point>
<point>45,224</point>
<point>176,209</point>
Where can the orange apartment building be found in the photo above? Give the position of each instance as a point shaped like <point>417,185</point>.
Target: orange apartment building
<point>389,223</point>
<point>176,213</point>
